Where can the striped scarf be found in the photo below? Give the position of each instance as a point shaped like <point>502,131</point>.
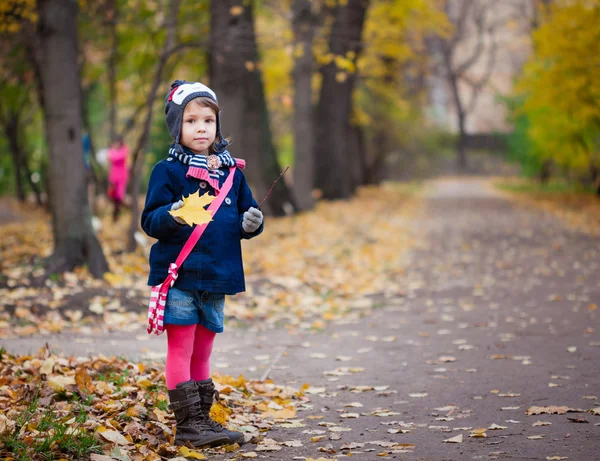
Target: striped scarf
<point>204,167</point>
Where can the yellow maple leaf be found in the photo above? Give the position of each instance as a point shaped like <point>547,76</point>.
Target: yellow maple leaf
<point>188,453</point>
<point>192,211</point>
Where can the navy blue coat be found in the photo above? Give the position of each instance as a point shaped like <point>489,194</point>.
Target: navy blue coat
<point>215,263</point>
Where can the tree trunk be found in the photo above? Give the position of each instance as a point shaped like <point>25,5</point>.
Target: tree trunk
<point>461,147</point>
<point>34,186</point>
<point>545,172</point>
<point>11,131</point>
<point>236,78</point>
<point>595,174</point>
<point>135,170</point>
<point>303,23</point>
<point>356,152</point>
<point>112,70</point>
<point>461,156</point>
<point>333,132</point>
<point>74,240</point>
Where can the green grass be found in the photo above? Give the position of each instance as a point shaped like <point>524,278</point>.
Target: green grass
<point>162,405</point>
<point>60,437</point>
<point>551,187</point>
<point>117,377</point>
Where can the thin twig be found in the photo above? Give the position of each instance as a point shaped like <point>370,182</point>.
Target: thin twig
<point>273,185</point>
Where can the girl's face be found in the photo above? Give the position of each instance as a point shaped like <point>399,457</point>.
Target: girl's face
<point>198,128</point>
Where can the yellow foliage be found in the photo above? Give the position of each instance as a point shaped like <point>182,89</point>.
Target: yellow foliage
<point>561,85</point>
<point>191,454</point>
<point>239,382</point>
<point>14,12</point>
<point>393,35</point>
<point>219,413</point>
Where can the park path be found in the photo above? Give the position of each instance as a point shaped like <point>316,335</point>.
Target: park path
<point>500,314</point>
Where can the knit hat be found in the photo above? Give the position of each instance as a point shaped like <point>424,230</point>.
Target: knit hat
<point>181,93</point>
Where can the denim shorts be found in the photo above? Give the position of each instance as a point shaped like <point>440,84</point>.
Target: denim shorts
<point>193,307</point>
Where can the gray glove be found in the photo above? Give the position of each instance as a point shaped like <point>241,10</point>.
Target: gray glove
<point>177,206</point>
<point>252,220</point>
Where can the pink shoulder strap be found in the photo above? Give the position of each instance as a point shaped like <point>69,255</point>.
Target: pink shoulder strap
<point>199,229</point>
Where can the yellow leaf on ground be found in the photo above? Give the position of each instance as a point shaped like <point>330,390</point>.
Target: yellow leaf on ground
<point>219,413</point>
<point>193,454</point>
<point>192,211</point>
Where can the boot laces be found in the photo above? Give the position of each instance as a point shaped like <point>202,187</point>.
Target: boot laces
<point>207,406</point>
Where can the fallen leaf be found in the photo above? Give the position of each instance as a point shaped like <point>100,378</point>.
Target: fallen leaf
<point>456,439</point>
<point>58,383</point>
<point>551,410</point>
<point>115,437</point>
<point>578,420</point>
<point>293,443</point>
<point>189,453</point>
<point>479,432</point>
<point>541,423</point>
<point>496,427</point>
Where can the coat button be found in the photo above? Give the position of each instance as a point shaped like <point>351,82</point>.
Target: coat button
<point>202,185</point>
<point>221,173</point>
<point>227,200</point>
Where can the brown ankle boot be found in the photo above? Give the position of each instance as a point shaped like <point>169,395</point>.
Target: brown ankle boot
<point>192,426</point>
<point>206,392</point>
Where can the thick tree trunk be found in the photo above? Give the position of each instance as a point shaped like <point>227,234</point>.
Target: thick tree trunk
<point>74,240</point>
<point>333,132</point>
<point>236,78</point>
<point>303,23</point>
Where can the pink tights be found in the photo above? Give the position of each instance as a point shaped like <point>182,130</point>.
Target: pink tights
<point>188,353</point>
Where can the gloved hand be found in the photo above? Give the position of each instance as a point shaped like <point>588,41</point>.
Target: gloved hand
<point>177,206</point>
<point>252,220</point>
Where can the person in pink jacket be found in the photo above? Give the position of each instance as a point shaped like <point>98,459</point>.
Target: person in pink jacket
<point>118,175</point>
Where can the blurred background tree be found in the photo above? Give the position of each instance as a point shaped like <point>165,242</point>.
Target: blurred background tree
<point>345,92</point>
<point>559,91</point>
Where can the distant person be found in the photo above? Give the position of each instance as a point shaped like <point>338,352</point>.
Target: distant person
<point>118,175</point>
<point>87,149</point>
<point>193,311</point>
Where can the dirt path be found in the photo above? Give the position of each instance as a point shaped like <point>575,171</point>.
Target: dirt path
<point>500,314</point>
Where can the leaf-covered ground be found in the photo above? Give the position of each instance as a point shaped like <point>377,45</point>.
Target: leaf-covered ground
<point>478,343</point>
<point>317,265</point>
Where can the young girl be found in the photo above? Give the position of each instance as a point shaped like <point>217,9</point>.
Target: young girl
<point>197,161</point>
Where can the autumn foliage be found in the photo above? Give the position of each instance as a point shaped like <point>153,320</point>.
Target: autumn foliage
<point>560,87</point>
